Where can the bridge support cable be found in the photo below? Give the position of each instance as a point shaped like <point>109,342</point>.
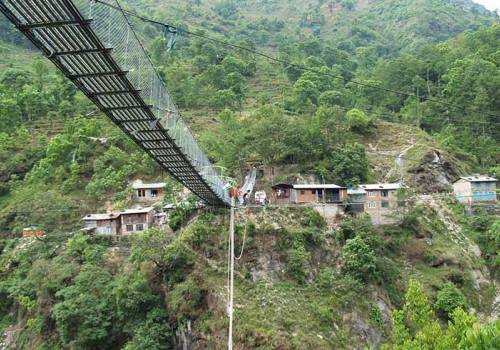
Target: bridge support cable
<point>95,46</point>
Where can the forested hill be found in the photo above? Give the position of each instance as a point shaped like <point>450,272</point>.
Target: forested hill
<point>390,26</point>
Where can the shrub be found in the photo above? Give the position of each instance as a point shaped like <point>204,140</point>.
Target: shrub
<point>180,214</point>
<point>312,218</point>
<point>296,259</point>
<point>311,235</point>
<point>185,300</point>
<point>358,258</point>
<point>352,227</point>
<point>153,334</point>
<point>376,315</point>
<point>83,248</point>
<point>448,299</point>
<point>358,121</point>
<point>326,278</point>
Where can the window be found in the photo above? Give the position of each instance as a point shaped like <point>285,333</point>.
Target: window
<point>130,228</point>
<point>385,204</point>
<point>371,193</point>
<point>139,227</point>
<point>385,193</point>
<point>154,193</point>
<point>302,192</point>
<point>372,204</point>
<point>141,193</point>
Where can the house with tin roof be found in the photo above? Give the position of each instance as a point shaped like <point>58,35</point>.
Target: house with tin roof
<point>475,189</point>
<point>318,193</point>
<point>137,220</point>
<point>381,202</point>
<point>102,224</point>
<point>148,192</point>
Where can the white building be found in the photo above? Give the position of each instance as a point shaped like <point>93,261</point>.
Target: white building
<point>152,192</point>
<point>475,189</point>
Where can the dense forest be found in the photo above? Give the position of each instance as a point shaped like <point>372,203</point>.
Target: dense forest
<point>347,77</point>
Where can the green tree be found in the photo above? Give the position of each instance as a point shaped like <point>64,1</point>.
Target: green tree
<point>185,301</point>
<point>448,299</point>
<point>153,333</point>
<point>359,259</point>
<point>358,121</point>
<point>306,94</point>
<point>415,327</point>
<point>171,258</point>
<point>84,317</point>
<point>347,165</point>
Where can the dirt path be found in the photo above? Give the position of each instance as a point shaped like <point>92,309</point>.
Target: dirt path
<point>400,162</point>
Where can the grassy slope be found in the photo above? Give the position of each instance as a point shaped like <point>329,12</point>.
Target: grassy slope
<point>394,149</point>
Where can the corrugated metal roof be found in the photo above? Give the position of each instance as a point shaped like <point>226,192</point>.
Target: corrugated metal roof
<point>282,185</point>
<point>315,186</point>
<point>356,191</point>
<point>479,178</point>
<point>381,186</point>
<point>138,185</point>
<point>97,217</point>
<point>137,211</point>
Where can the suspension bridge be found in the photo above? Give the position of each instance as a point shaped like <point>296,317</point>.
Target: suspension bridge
<point>95,46</point>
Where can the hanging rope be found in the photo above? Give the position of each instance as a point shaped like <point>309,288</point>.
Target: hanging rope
<point>244,238</point>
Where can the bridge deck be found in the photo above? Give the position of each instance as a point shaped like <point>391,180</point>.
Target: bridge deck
<point>94,46</point>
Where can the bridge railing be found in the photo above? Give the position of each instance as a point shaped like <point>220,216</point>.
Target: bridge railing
<point>114,30</point>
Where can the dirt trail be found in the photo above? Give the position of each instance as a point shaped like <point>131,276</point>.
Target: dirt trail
<point>400,161</point>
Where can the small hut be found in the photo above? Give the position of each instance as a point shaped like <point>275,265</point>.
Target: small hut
<point>281,193</point>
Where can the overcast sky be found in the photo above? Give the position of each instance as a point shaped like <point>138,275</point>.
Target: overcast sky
<point>489,4</point>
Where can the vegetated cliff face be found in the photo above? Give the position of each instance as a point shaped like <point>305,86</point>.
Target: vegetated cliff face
<point>298,284</point>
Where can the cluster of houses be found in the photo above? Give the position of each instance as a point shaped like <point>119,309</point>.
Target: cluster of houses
<point>379,201</point>
<point>146,197</point>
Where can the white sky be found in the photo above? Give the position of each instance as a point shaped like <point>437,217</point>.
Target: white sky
<point>489,4</point>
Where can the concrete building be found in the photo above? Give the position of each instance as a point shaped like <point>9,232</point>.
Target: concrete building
<point>318,193</point>
<point>381,202</point>
<point>154,192</point>
<point>136,220</point>
<point>357,199</point>
<point>103,224</point>
<point>475,189</point>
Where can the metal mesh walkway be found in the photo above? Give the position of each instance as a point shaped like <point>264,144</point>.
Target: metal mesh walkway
<point>96,48</point>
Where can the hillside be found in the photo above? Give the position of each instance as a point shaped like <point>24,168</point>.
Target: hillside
<point>389,25</point>
<point>370,91</point>
<point>298,283</point>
